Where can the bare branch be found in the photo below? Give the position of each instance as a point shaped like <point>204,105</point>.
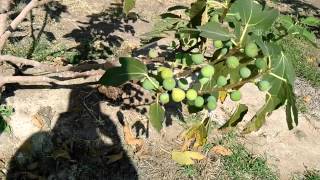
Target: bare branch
<point>94,76</point>
<point>23,14</point>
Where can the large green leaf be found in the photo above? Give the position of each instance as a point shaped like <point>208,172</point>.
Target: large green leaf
<point>215,31</point>
<point>128,5</point>
<point>156,116</point>
<point>281,92</point>
<point>196,11</point>
<point>237,116</point>
<point>254,17</point>
<point>130,69</point>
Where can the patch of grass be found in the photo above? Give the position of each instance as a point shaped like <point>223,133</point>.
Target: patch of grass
<point>242,164</point>
<point>301,105</point>
<point>44,50</point>
<point>295,49</point>
<point>5,111</point>
<point>312,175</point>
<point>189,171</point>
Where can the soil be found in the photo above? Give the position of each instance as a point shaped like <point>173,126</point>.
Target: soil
<point>76,132</point>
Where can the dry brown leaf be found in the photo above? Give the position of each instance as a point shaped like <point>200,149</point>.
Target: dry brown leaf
<point>38,121</point>
<point>223,96</point>
<point>307,99</point>
<point>221,150</point>
<point>130,139</point>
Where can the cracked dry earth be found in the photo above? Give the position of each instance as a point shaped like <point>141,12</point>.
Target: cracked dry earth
<point>80,117</point>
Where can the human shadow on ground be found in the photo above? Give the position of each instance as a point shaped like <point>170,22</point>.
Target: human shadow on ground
<point>83,144</point>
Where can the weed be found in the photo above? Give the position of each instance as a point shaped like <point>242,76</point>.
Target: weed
<point>243,165</point>
<point>189,171</point>
<point>301,105</point>
<point>312,175</point>
<point>5,111</point>
<point>44,50</point>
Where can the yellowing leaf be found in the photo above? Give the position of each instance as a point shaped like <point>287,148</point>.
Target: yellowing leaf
<point>221,150</point>
<point>185,158</point>
<point>222,96</point>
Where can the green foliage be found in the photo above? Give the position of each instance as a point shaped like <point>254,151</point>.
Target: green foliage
<point>245,35</point>
<point>128,5</point>
<point>5,112</point>
<point>156,114</point>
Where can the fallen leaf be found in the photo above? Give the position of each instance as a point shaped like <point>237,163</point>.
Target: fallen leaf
<point>114,157</point>
<point>130,139</point>
<point>307,99</point>
<point>185,157</point>
<point>221,150</point>
<point>38,121</point>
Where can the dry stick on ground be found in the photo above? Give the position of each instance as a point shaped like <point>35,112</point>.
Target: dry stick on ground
<point>23,14</point>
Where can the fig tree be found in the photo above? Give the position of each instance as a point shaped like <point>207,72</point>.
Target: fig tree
<point>207,71</point>
<point>264,85</point>
<point>199,101</point>
<point>245,72</point>
<point>232,62</point>
<point>191,94</point>
<point>251,49</point>
<point>197,58</point>
<point>235,95</point>
<point>164,98</point>
<point>222,81</point>
<point>178,95</point>
<point>169,84</point>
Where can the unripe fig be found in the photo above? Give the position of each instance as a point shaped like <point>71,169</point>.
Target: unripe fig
<point>191,94</point>
<point>264,85</point>
<point>164,98</point>
<point>199,101</point>
<point>218,44</point>
<point>207,71</point>
<point>245,72</point>
<point>212,105</point>
<point>178,95</point>
<point>251,50</point>
<point>149,84</point>
<point>212,98</point>
<point>166,73</point>
<point>153,53</point>
<point>197,58</point>
<point>169,84</point>
<point>235,95</point>
<point>222,81</point>
<point>261,63</point>
<point>232,62</point>
<point>183,84</point>
<point>204,80</point>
